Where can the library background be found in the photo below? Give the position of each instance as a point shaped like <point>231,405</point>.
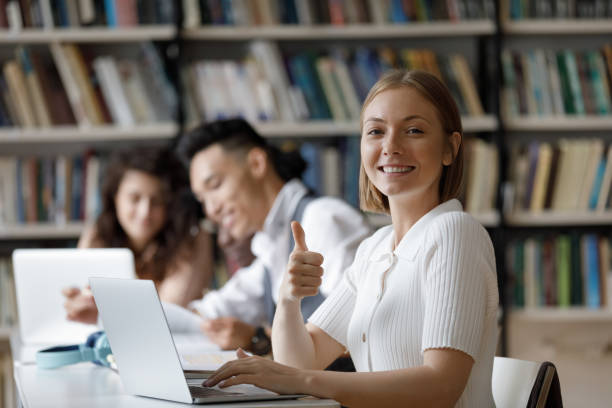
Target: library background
<point>533,80</point>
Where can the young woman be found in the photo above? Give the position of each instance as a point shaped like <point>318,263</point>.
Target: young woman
<point>417,308</point>
<point>147,207</point>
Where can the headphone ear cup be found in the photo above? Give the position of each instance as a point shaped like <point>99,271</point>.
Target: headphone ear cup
<point>93,338</point>
<point>101,343</point>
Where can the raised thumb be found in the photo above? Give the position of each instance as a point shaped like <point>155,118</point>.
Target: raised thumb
<point>298,236</point>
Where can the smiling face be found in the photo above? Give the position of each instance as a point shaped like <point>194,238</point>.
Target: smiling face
<point>141,207</point>
<point>229,187</point>
<point>403,145</point>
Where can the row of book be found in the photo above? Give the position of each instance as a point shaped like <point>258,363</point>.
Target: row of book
<point>76,88</point>
<point>481,175</point>
<point>50,189</point>
<point>546,82</point>
<point>335,12</point>
<point>8,304</point>
<point>310,85</point>
<point>333,170</point>
<point>570,175</point>
<point>48,14</point>
<point>560,270</point>
<point>530,9</point>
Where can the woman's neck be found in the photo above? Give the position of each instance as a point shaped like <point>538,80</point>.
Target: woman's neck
<point>407,209</point>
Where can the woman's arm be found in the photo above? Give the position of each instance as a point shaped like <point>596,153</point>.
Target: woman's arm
<point>439,382</point>
<point>188,276</point>
<point>293,343</point>
<point>86,240</point>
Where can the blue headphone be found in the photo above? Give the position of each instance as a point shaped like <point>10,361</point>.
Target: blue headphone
<point>95,349</point>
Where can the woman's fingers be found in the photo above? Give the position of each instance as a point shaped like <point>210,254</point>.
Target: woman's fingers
<point>240,379</point>
<point>305,281</point>
<point>307,257</point>
<point>230,369</point>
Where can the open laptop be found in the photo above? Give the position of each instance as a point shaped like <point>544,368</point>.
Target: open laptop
<point>144,350</point>
<point>40,276</point>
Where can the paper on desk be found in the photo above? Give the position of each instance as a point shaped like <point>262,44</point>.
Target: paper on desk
<point>208,361</point>
<point>181,320</point>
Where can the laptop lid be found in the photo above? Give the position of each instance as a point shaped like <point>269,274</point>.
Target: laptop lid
<point>40,276</point>
<point>144,350</point>
<point>139,336</point>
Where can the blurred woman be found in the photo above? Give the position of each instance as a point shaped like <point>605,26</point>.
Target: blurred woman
<point>148,208</point>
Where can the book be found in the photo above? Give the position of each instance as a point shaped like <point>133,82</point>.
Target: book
<point>70,85</point>
<point>18,91</point>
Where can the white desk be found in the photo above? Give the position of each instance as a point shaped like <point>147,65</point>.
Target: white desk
<point>88,385</point>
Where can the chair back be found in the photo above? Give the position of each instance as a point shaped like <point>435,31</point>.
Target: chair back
<point>519,383</point>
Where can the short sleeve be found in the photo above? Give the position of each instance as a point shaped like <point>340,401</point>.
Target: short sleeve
<point>334,314</point>
<point>457,267</point>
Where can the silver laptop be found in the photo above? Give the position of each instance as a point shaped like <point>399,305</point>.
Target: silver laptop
<point>144,350</point>
<point>40,276</point>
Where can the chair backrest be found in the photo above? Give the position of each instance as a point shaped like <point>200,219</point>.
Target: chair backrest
<point>519,383</point>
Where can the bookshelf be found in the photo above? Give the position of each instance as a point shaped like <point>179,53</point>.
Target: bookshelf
<point>348,32</point>
<point>558,26</point>
<point>562,315</point>
<point>558,218</point>
<point>59,134</point>
<point>558,123</point>
<point>39,231</point>
<point>89,34</point>
<point>546,246</point>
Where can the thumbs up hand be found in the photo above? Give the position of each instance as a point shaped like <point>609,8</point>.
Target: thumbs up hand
<point>304,271</point>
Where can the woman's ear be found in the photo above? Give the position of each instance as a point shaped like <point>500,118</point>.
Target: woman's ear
<point>452,148</point>
<point>257,162</point>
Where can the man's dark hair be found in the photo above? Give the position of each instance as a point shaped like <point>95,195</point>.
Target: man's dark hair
<point>238,136</point>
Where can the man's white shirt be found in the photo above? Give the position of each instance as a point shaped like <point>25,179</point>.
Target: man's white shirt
<point>332,228</point>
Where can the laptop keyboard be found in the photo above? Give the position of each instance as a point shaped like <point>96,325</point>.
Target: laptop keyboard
<point>203,392</point>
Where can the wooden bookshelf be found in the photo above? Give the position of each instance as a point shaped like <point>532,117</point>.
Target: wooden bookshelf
<point>347,32</point>
<point>489,219</point>
<point>554,123</point>
<point>41,231</point>
<point>562,315</point>
<point>88,134</point>
<point>325,128</point>
<point>557,26</point>
<point>558,218</point>
<point>89,34</point>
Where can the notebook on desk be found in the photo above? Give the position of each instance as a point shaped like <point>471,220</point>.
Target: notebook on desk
<point>40,276</point>
<point>144,350</point>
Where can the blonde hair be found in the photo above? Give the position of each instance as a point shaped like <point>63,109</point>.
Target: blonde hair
<point>432,89</point>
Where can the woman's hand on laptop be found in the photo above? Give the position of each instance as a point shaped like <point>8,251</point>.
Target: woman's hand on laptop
<point>261,372</point>
<point>304,271</point>
<point>80,305</point>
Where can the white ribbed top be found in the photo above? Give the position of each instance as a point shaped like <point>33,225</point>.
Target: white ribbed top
<point>437,289</point>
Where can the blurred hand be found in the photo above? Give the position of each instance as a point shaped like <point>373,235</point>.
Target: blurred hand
<point>228,333</point>
<point>304,271</point>
<point>259,371</point>
<point>80,305</point>
<point>237,251</point>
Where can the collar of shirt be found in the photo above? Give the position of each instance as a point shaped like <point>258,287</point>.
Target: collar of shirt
<point>266,243</point>
<point>411,241</point>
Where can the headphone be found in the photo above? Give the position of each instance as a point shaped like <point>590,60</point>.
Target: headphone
<point>96,349</point>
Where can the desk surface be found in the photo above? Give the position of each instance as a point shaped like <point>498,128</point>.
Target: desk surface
<point>89,385</point>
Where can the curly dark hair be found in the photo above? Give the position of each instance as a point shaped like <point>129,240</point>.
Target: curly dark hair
<point>183,211</point>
